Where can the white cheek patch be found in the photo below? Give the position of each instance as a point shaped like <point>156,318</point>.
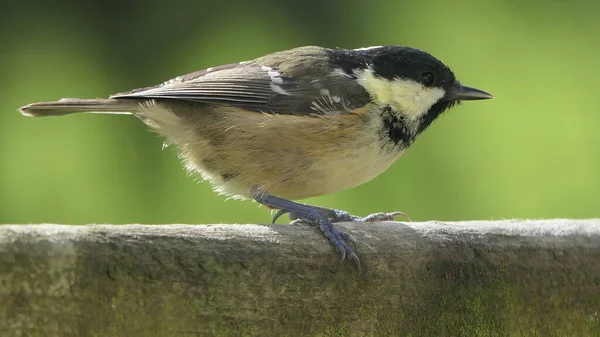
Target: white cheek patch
<point>407,96</point>
<point>413,98</point>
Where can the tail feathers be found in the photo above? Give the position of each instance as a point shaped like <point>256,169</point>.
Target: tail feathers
<point>67,106</point>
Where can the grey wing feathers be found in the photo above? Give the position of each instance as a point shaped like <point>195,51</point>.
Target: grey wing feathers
<point>260,88</point>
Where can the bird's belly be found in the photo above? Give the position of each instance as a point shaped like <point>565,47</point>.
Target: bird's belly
<point>293,164</point>
<point>311,176</point>
<point>292,157</point>
<point>344,170</point>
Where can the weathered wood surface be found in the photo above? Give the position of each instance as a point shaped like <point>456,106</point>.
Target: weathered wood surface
<point>500,278</point>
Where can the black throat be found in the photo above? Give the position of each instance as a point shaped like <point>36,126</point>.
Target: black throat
<point>396,129</point>
<point>434,112</point>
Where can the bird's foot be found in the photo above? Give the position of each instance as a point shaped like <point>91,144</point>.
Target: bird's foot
<point>312,215</point>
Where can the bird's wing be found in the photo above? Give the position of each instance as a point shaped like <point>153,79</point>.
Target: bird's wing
<point>263,89</point>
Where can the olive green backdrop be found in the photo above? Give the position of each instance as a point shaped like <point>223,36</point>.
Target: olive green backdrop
<point>532,152</point>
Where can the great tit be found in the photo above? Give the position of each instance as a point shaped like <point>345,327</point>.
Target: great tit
<point>293,124</point>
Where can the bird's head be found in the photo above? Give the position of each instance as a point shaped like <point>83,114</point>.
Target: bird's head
<point>414,84</point>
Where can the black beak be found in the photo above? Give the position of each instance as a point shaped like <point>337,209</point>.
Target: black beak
<point>463,93</point>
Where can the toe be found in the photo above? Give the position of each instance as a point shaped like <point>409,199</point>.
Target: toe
<point>352,256</point>
<point>299,222</point>
<point>378,217</point>
<point>349,238</point>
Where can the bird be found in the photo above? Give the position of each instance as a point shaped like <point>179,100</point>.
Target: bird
<point>293,124</point>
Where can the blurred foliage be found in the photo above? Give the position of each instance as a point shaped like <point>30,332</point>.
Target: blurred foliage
<point>533,152</point>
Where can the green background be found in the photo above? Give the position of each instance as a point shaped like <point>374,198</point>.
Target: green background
<point>532,152</point>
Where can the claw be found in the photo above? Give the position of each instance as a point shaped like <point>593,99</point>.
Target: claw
<point>278,214</point>
<point>402,214</point>
<point>356,260</point>
<point>342,251</point>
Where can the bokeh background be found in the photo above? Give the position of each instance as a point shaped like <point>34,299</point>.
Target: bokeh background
<point>532,152</point>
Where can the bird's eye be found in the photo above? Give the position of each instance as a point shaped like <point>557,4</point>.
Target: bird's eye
<point>427,78</point>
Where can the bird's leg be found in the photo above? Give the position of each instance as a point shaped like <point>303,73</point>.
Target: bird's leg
<point>313,215</point>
